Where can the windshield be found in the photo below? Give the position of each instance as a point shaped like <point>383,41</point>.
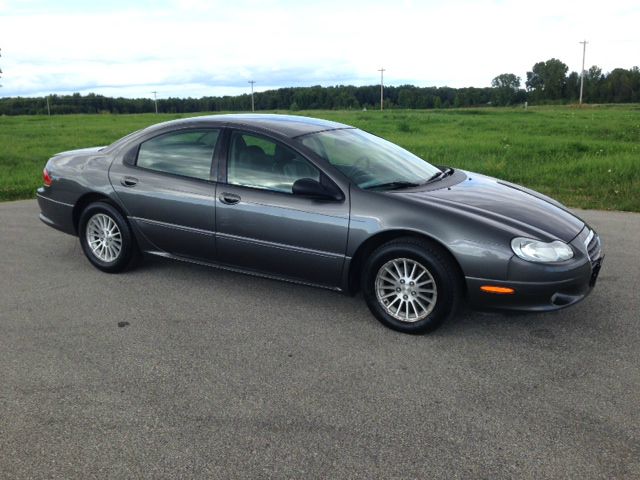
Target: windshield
<point>370,161</point>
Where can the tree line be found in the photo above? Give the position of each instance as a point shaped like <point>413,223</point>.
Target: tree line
<point>547,82</point>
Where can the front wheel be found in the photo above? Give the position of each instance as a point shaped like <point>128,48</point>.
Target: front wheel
<point>106,238</point>
<point>411,285</point>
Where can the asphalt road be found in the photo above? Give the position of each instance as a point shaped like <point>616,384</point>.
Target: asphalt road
<point>181,371</point>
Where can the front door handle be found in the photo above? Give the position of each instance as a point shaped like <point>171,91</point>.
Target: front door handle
<point>129,181</point>
<point>229,198</point>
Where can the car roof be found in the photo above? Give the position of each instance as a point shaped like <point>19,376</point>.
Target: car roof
<point>287,125</point>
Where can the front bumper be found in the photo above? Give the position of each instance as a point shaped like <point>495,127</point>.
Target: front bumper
<point>532,296</point>
<point>540,288</point>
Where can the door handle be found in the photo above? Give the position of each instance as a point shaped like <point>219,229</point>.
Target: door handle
<point>229,198</point>
<point>129,181</point>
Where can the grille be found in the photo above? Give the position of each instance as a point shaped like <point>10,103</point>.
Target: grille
<point>593,246</point>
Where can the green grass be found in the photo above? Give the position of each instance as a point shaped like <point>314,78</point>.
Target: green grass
<point>588,158</point>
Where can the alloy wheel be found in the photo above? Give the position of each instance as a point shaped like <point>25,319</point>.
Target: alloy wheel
<point>406,289</point>
<point>104,237</point>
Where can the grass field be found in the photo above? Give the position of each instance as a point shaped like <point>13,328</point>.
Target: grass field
<point>587,157</point>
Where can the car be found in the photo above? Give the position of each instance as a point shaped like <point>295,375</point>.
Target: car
<point>324,204</point>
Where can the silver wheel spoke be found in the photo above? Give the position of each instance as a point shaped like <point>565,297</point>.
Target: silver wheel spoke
<point>420,304</point>
<point>413,307</point>
<point>406,289</point>
<point>392,303</point>
<point>419,276</point>
<point>393,274</point>
<point>425,290</point>
<point>387,279</point>
<point>397,269</point>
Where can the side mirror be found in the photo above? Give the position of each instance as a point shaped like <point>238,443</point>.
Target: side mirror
<point>307,187</point>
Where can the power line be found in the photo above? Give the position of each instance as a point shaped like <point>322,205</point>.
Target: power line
<point>584,51</point>
<point>252,105</point>
<point>382,70</point>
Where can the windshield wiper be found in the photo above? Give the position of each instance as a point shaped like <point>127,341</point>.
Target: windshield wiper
<point>440,175</point>
<point>398,184</point>
<point>393,185</point>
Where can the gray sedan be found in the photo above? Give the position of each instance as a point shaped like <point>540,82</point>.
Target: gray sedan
<point>325,204</point>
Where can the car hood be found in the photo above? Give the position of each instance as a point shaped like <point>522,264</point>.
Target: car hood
<point>506,203</point>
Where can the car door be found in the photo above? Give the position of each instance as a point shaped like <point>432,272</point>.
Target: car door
<point>262,226</point>
<point>167,190</point>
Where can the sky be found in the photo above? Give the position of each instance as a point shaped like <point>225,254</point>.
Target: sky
<point>194,48</point>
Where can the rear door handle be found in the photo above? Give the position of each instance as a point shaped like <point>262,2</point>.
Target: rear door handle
<point>129,181</point>
<point>229,198</point>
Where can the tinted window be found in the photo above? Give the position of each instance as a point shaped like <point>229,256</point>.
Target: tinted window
<point>188,153</point>
<point>258,162</point>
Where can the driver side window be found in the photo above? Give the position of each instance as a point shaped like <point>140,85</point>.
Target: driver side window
<point>259,162</point>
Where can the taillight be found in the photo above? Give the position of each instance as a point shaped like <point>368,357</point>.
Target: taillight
<point>46,178</point>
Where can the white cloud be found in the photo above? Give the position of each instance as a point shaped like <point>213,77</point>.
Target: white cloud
<point>198,47</point>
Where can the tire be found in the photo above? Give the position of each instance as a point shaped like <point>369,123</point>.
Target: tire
<point>418,307</point>
<point>114,253</point>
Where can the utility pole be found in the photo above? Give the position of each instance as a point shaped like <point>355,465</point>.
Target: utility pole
<point>252,105</point>
<point>584,50</point>
<point>381,88</point>
<point>0,68</point>
<point>155,100</point>
<point>48,108</point>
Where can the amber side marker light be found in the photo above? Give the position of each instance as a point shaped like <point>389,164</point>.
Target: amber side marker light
<point>498,290</point>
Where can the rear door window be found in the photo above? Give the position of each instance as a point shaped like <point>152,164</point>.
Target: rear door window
<point>187,153</point>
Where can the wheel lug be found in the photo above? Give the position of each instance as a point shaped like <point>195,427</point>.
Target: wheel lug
<point>398,289</point>
<point>401,281</point>
<point>412,283</point>
<point>413,293</point>
<point>405,297</point>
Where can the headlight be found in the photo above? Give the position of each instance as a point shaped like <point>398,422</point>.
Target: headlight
<point>537,251</point>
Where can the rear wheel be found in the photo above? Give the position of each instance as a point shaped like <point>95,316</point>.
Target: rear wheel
<point>411,285</point>
<point>106,238</point>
